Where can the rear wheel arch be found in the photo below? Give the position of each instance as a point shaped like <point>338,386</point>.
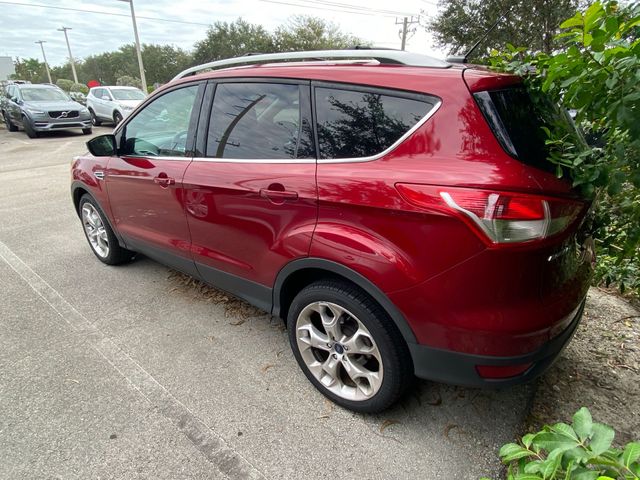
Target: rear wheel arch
<point>298,274</point>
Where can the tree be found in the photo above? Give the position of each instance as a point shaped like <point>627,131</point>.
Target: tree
<point>30,69</point>
<point>528,23</point>
<point>311,33</point>
<point>595,74</point>
<point>226,40</point>
<point>65,84</point>
<point>161,62</point>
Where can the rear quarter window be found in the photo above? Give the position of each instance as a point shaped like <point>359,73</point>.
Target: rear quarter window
<point>358,124</point>
<point>518,123</point>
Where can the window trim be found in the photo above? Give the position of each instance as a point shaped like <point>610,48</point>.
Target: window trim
<point>207,110</point>
<point>390,92</point>
<point>191,129</point>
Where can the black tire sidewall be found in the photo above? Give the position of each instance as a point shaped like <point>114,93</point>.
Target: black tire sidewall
<point>117,118</point>
<point>394,353</point>
<point>28,128</point>
<point>94,119</point>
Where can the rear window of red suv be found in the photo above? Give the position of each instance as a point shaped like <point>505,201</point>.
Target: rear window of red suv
<point>354,123</point>
<point>518,123</point>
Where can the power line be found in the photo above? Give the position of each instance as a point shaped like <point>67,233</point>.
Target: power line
<point>354,7</point>
<point>104,13</point>
<point>370,13</point>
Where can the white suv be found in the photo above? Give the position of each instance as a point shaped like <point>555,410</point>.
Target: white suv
<point>112,104</point>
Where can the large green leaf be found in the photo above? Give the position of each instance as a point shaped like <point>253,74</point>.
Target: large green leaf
<point>631,454</point>
<point>513,451</point>
<point>601,439</point>
<point>550,441</point>
<point>583,423</point>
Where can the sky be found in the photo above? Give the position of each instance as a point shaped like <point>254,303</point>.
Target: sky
<point>23,22</point>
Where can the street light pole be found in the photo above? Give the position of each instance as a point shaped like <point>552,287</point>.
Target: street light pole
<point>46,65</point>
<point>73,65</point>
<point>143,78</point>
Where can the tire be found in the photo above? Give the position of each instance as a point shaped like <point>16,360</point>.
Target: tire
<point>28,128</point>
<point>378,377</point>
<point>95,121</point>
<point>99,234</point>
<point>7,121</point>
<point>117,117</point>
<point>87,131</point>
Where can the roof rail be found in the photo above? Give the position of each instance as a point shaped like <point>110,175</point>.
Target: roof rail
<point>397,57</point>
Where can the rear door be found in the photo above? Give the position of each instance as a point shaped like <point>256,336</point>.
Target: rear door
<point>101,105</point>
<point>251,197</point>
<point>144,182</point>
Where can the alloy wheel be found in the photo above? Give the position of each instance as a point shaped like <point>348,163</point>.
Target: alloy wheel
<point>94,228</point>
<point>339,351</point>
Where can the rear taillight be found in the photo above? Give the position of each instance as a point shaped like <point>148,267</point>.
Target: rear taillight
<point>500,217</point>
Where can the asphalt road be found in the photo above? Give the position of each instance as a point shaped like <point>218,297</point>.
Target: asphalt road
<point>113,372</point>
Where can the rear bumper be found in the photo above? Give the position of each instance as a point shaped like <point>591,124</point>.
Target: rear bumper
<point>460,368</point>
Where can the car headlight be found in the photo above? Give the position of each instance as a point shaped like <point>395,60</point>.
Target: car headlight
<point>84,110</point>
<point>33,111</point>
<point>126,107</point>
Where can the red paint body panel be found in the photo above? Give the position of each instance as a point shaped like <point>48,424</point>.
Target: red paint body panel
<point>235,229</point>
<point>145,210</point>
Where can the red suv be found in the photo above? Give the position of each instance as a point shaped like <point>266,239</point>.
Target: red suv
<point>394,209</point>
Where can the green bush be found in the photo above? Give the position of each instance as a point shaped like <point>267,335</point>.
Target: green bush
<point>597,75</point>
<point>65,84</point>
<point>127,81</point>
<point>79,87</point>
<point>581,451</point>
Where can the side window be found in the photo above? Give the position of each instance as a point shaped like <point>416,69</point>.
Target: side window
<point>9,92</point>
<point>260,121</point>
<point>160,128</point>
<point>97,93</point>
<point>355,124</point>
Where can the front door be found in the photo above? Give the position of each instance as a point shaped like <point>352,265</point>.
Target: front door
<point>251,202</point>
<point>144,182</point>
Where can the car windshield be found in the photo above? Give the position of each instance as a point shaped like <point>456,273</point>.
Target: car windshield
<point>127,94</point>
<point>43,95</point>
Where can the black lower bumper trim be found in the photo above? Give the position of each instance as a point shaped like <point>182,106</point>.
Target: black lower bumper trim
<point>457,368</point>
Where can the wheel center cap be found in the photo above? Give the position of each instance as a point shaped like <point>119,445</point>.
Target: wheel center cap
<point>338,348</point>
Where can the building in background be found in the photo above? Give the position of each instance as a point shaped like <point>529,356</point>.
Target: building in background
<point>6,68</point>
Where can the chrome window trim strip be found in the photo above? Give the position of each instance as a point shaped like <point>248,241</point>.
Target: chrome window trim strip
<point>254,160</point>
<point>385,152</point>
<point>159,157</point>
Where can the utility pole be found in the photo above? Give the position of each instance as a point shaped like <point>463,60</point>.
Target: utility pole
<point>406,21</point>
<point>46,65</point>
<point>73,65</point>
<point>143,78</point>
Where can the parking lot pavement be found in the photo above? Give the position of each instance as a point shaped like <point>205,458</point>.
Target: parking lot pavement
<point>113,372</point>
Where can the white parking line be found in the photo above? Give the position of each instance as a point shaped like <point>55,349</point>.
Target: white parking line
<point>229,462</point>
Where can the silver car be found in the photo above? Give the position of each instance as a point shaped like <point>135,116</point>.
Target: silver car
<point>112,104</point>
<point>42,108</point>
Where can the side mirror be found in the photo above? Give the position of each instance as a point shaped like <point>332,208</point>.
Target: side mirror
<point>106,97</point>
<point>103,146</point>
